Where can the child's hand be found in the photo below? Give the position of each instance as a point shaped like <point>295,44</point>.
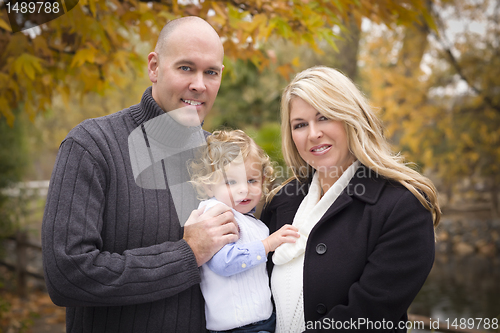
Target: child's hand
<point>287,234</point>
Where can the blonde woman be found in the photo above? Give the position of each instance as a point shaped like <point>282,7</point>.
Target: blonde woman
<point>366,220</point>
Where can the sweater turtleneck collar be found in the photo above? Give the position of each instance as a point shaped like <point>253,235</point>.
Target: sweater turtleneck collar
<point>164,129</point>
<point>147,109</point>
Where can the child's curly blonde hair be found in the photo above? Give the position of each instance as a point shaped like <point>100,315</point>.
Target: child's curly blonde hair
<point>222,148</point>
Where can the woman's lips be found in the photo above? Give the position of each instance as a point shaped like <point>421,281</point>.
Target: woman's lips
<point>320,149</point>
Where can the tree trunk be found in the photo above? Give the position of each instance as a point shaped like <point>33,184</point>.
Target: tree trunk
<point>349,48</point>
<point>21,238</point>
<point>414,44</point>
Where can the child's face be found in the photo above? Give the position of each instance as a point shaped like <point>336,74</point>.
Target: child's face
<point>243,189</point>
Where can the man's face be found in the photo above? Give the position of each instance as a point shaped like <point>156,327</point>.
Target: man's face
<point>188,73</point>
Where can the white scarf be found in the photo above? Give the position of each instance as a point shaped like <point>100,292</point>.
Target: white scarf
<point>287,276</point>
<point>311,209</point>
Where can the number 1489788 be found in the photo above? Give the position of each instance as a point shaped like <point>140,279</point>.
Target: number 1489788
<point>33,7</point>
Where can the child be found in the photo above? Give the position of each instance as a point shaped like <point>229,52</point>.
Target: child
<point>234,170</point>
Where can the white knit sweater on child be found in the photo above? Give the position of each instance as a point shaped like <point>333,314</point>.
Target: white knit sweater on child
<point>242,298</point>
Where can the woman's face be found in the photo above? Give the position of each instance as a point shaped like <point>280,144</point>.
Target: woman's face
<point>320,141</point>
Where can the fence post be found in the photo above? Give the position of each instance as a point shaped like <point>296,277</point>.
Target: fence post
<point>21,238</point>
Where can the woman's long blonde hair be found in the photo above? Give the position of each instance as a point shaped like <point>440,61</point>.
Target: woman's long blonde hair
<point>336,97</point>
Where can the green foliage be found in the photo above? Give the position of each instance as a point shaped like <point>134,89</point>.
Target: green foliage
<point>269,138</point>
<point>12,157</point>
<point>247,97</point>
<point>13,161</point>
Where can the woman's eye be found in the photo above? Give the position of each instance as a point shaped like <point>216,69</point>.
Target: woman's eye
<point>230,182</point>
<point>299,125</point>
<point>251,181</point>
<point>323,118</point>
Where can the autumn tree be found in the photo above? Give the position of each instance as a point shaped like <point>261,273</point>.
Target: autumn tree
<point>471,126</point>
<point>96,45</point>
<point>439,98</point>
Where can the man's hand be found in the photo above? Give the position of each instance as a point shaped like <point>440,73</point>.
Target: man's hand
<point>206,233</point>
<point>286,234</point>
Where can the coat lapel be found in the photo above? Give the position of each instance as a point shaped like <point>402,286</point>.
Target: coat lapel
<point>342,202</point>
<point>366,185</point>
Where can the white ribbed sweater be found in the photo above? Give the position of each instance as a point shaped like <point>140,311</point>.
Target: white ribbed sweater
<point>243,298</point>
<point>287,276</point>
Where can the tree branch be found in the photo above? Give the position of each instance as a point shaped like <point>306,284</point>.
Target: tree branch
<point>454,63</point>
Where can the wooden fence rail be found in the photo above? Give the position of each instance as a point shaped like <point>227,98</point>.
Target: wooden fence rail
<point>21,265</point>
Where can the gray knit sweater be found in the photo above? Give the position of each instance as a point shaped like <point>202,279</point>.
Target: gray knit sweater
<point>113,252</point>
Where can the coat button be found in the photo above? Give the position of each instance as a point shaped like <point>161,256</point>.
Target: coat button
<point>321,308</point>
<point>321,248</point>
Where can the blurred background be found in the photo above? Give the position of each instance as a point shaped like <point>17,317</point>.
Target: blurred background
<point>431,69</point>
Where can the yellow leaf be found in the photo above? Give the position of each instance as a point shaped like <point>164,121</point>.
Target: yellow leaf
<point>285,71</point>
<point>27,64</point>
<point>218,19</point>
<point>92,7</point>
<point>82,56</point>
<point>120,60</point>
<point>40,46</point>
<point>218,9</point>
<point>258,21</point>
<point>30,71</point>
<point>296,62</point>
<point>4,25</point>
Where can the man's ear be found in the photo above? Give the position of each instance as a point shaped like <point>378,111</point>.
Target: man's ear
<point>153,63</point>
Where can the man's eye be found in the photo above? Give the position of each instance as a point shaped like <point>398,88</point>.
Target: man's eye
<point>210,72</point>
<point>185,68</point>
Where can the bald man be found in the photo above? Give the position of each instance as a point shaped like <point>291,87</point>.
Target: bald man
<point>115,253</point>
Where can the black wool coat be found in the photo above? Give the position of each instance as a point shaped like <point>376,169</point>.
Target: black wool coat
<point>366,258</point>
